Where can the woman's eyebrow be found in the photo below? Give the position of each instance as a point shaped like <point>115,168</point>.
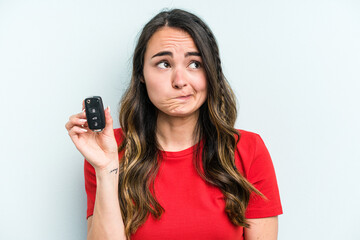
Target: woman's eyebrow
<point>163,53</point>
<point>192,54</point>
<point>159,54</point>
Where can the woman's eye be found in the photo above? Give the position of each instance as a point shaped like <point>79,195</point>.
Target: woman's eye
<point>163,65</point>
<point>195,65</point>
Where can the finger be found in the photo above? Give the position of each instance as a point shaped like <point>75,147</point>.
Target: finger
<point>76,120</point>
<point>76,131</point>
<point>83,105</point>
<point>80,115</point>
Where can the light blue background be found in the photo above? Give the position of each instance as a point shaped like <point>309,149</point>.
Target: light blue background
<point>294,66</point>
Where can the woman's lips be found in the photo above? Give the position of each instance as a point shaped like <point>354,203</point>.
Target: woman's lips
<point>184,97</point>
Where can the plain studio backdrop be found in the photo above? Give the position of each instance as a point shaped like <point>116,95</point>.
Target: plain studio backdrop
<point>294,67</point>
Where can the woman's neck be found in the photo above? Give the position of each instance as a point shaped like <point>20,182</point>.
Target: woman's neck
<point>176,133</point>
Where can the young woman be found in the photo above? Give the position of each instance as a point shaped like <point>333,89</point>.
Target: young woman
<point>177,168</point>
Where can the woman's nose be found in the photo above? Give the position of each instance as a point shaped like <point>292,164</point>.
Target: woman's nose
<point>179,79</point>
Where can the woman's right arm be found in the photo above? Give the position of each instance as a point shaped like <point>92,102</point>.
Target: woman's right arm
<point>100,150</point>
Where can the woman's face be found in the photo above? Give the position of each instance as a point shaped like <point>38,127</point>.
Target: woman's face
<point>173,73</point>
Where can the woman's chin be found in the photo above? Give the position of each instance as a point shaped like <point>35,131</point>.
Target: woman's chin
<point>181,113</point>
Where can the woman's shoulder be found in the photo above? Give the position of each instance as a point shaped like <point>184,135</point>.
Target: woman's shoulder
<point>250,141</point>
<point>248,138</point>
<point>250,149</point>
<point>247,133</point>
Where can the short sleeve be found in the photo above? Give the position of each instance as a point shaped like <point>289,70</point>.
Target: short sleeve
<point>258,168</point>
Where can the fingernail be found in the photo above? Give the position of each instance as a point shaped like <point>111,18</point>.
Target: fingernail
<point>83,110</point>
<point>82,120</point>
<point>108,108</point>
<point>83,129</point>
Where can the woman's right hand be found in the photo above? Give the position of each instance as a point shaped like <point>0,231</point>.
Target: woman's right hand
<point>99,148</point>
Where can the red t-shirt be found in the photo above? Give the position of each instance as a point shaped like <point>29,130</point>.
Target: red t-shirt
<point>195,209</point>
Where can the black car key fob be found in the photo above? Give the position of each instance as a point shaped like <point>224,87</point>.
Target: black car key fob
<point>95,113</point>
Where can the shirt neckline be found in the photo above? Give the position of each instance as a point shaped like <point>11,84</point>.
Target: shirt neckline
<point>181,153</point>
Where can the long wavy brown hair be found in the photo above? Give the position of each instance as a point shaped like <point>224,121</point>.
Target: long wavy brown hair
<point>140,162</point>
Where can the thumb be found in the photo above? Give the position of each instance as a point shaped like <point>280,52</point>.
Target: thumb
<point>108,130</point>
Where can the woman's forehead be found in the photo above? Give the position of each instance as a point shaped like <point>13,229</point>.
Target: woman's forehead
<point>168,38</point>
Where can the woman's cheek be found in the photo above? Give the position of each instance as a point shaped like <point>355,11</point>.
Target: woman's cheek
<point>199,84</point>
<point>156,94</point>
